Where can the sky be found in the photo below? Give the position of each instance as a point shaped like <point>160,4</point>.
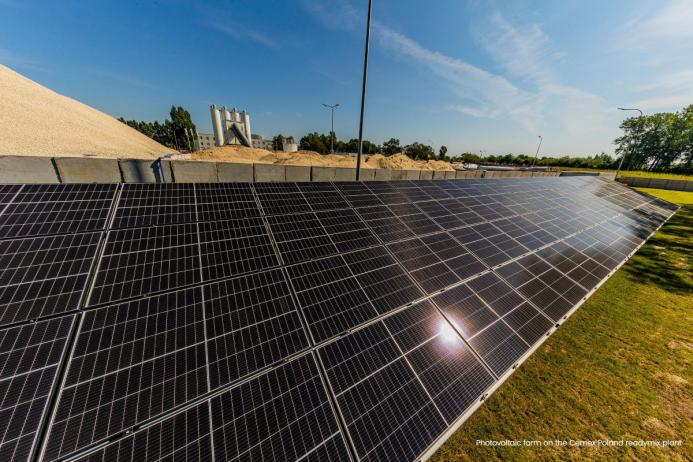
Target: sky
<point>472,75</point>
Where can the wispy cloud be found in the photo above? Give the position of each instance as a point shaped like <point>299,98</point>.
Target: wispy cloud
<point>527,54</point>
<point>670,20</point>
<point>241,33</point>
<point>333,14</point>
<point>483,93</point>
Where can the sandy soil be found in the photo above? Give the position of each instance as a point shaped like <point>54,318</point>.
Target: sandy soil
<point>261,156</point>
<point>37,121</point>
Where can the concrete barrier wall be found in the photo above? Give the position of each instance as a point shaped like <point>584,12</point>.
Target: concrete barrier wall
<point>656,183</point>
<point>145,171</point>
<point>21,169</point>
<point>190,171</point>
<point>270,172</point>
<point>87,170</point>
<point>235,173</point>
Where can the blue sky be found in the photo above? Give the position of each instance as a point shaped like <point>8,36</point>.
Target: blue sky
<point>472,75</point>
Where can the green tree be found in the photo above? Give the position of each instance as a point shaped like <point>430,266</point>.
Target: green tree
<point>278,142</point>
<point>419,151</point>
<point>442,152</point>
<point>391,147</point>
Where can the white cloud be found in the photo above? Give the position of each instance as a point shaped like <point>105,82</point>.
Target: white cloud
<point>238,33</point>
<point>485,94</point>
<point>333,14</point>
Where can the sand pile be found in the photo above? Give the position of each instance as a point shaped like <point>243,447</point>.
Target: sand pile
<point>262,156</point>
<point>37,121</point>
<point>400,161</point>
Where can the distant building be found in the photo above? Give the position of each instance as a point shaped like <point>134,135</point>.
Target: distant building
<point>204,141</point>
<point>260,142</point>
<point>231,127</point>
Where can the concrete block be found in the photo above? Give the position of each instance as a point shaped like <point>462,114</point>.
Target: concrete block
<point>412,174</point>
<point>325,173</point>
<point>396,174</point>
<point>426,175</point>
<point>676,185</point>
<point>88,170</point>
<point>345,174</point>
<point>297,173</point>
<point>383,174</point>
<point>450,175</point>
<point>270,172</point>
<point>367,174</point>
<point>27,169</point>
<point>145,171</point>
<point>190,171</point>
<point>235,173</point>
<point>688,186</point>
<point>438,174</point>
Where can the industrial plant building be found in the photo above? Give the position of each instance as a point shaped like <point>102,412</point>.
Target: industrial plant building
<point>233,127</point>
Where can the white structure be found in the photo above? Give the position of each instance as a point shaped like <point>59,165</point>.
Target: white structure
<point>231,127</point>
<point>204,141</point>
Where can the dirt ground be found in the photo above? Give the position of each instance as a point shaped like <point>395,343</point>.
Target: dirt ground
<point>37,121</point>
<point>243,154</point>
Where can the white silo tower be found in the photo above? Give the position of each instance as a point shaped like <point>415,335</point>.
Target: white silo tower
<point>216,125</point>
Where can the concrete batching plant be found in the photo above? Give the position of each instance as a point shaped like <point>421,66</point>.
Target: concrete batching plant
<point>230,127</point>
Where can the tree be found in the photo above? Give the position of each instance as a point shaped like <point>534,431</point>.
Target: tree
<point>442,151</point>
<point>178,133</point>
<point>419,151</point>
<point>391,147</point>
<point>278,142</point>
<point>315,142</point>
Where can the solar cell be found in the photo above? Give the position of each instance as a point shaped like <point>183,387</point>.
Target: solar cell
<point>29,359</point>
<point>150,204</point>
<point>225,201</point>
<point>131,362</point>
<point>251,323</point>
<point>300,237</point>
<point>387,411</point>
<point>233,247</point>
<point>281,198</point>
<point>284,414</point>
<point>140,261</point>
<point>45,275</point>
<point>38,210</point>
<point>184,436</point>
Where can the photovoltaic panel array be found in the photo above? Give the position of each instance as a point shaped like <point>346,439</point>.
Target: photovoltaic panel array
<point>286,321</point>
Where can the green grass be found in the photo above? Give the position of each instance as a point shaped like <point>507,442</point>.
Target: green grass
<point>620,368</point>
<point>665,176</point>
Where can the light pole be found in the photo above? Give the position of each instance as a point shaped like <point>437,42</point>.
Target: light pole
<point>363,90</point>
<point>630,144</point>
<point>536,155</point>
<point>332,138</point>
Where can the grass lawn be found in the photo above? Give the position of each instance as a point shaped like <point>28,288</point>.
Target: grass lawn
<point>666,176</point>
<point>620,368</point>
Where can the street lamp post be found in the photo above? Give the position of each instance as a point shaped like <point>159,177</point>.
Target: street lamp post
<point>536,155</point>
<point>363,90</point>
<point>630,144</point>
<point>332,132</point>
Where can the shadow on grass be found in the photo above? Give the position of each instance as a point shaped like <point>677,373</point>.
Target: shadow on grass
<point>655,262</point>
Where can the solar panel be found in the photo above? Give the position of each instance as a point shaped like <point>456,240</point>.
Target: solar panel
<point>59,209</point>
<point>43,276</point>
<point>131,362</point>
<point>139,261</point>
<point>285,321</point>
<point>29,358</point>
<point>155,204</point>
